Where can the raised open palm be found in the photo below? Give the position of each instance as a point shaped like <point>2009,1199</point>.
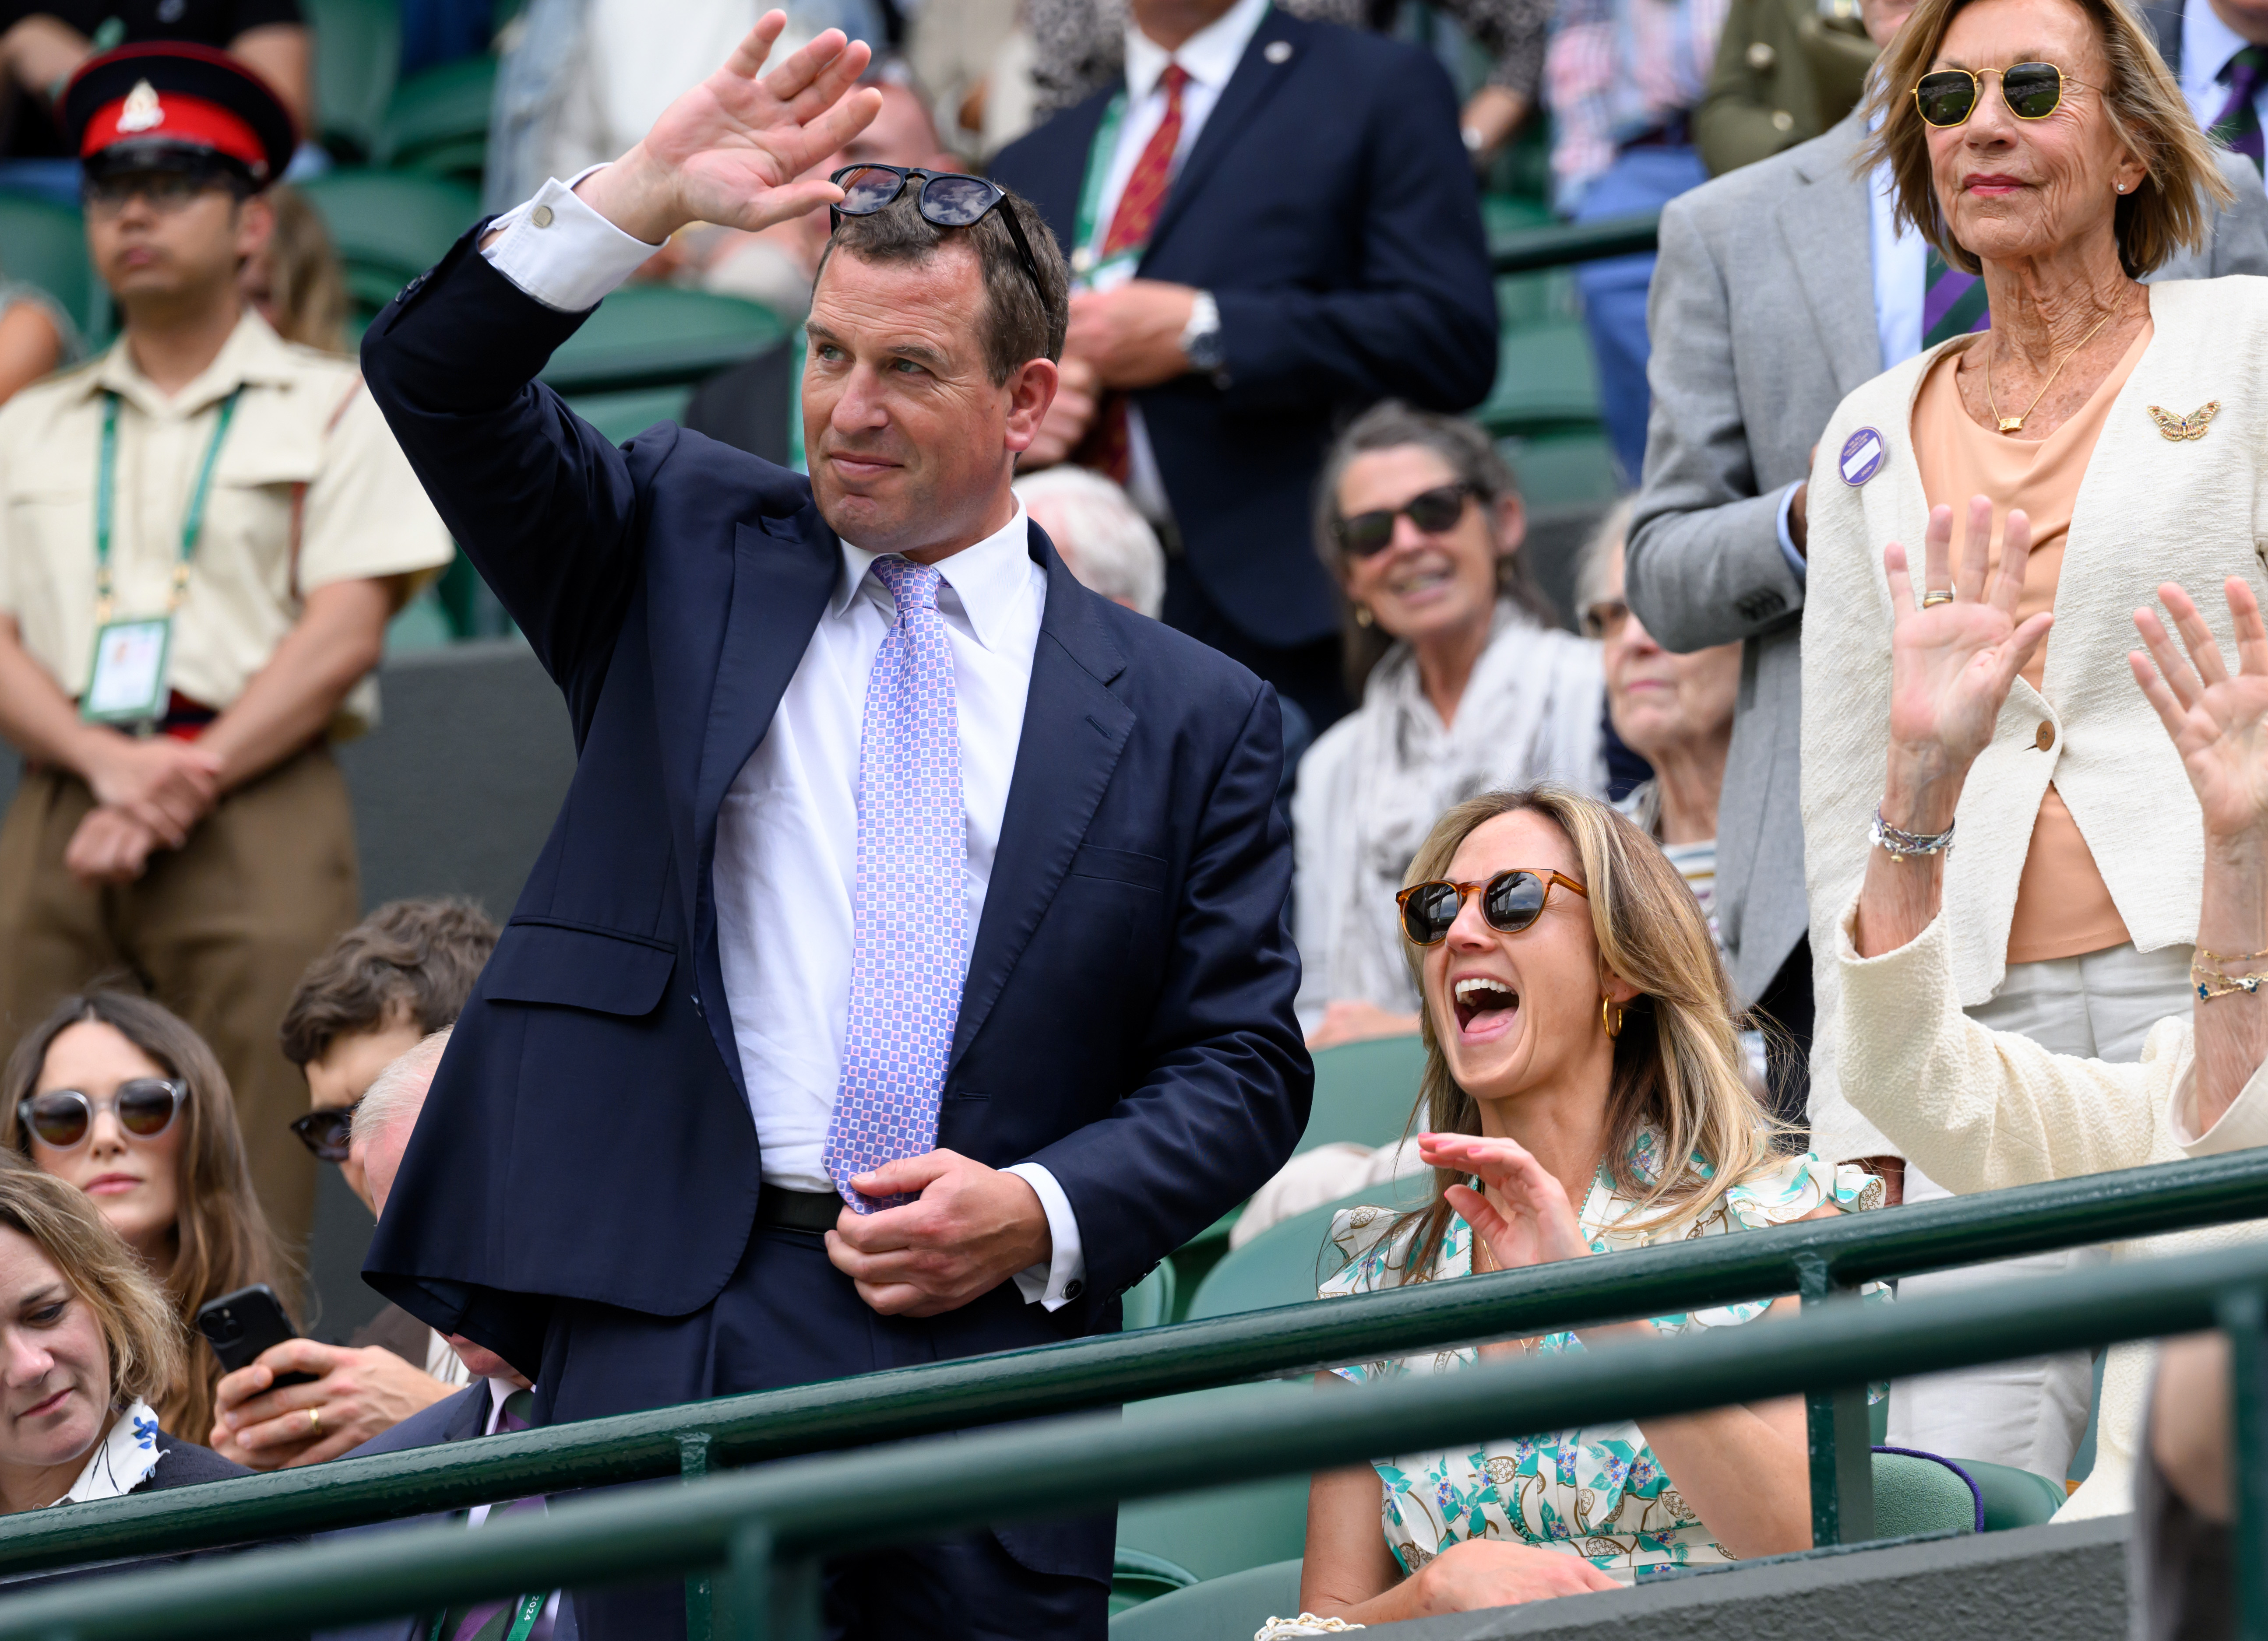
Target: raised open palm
<point>2218,722</point>
<point>1536,1225</point>
<point>1953,662</point>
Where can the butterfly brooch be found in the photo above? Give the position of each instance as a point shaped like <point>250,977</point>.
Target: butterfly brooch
<point>2181,427</point>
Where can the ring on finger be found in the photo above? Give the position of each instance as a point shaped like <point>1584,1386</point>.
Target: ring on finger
<point>316,1423</point>
<point>1935,596</point>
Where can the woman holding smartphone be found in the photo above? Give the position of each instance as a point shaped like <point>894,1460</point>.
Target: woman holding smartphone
<point>114,1094</point>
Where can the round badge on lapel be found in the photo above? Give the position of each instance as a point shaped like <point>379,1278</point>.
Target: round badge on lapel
<point>1862,457</point>
<point>1277,51</point>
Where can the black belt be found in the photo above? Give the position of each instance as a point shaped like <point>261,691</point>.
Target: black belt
<point>798,1210</point>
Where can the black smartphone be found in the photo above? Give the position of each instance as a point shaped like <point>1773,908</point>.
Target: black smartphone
<point>240,1325</point>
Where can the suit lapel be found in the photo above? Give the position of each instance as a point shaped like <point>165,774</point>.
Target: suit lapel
<point>1059,164</point>
<point>1828,226</point>
<point>1074,730</point>
<point>1255,81</point>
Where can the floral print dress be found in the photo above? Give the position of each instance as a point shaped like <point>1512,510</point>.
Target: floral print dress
<point>1598,1492</point>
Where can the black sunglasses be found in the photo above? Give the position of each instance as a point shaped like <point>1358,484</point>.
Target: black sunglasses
<point>1434,511</point>
<point>2033,91</point>
<point>948,199</point>
<point>327,1131</point>
<point>1510,901</point>
<point>62,1117</point>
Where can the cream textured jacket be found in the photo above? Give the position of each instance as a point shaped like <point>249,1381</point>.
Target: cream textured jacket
<point>2149,510</point>
<point>1979,1110</point>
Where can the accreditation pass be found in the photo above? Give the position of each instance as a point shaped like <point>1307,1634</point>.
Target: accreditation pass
<point>128,682</point>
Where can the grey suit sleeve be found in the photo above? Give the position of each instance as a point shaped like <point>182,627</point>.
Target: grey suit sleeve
<point>2239,232</point>
<point>1704,563</point>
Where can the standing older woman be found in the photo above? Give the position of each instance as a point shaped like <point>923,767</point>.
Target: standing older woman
<point>1581,1063</point>
<point>1466,683</point>
<point>116,1095</point>
<point>2043,143</point>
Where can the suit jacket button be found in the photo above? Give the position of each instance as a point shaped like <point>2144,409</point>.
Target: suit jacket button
<point>2045,739</point>
<point>1761,56</point>
<point>1073,1288</point>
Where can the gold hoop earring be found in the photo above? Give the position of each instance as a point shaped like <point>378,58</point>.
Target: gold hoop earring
<point>1362,616</point>
<point>1610,1018</point>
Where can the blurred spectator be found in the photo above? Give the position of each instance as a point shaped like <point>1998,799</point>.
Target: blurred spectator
<point>36,336</point>
<point>1272,227</point>
<point>2218,49</point>
<point>1080,49</point>
<point>72,1294</point>
<point>1104,539</point>
<point>1467,684</point>
<point>973,60</point>
<point>2181,1561</point>
<point>294,279</point>
<point>44,42</point>
<point>1625,78</point>
<point>580,81</point>
<point>119,1096</point>
<point>1786,71</point>
<point>213,860</point>
<point>393,979</point>
<point>435,31</point>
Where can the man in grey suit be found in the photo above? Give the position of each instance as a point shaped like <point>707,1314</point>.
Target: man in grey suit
<point>1780,287</point>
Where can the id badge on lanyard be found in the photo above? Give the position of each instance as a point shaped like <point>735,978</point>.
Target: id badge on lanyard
<point>127,680</point>
<point>530,1608</point>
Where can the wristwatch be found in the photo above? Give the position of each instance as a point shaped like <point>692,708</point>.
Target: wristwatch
<point>1201,337</point>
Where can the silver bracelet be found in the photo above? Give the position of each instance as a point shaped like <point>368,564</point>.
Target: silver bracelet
<point>1899,843</point>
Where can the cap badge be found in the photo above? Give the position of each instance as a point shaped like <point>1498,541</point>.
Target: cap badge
<point>143,110</point>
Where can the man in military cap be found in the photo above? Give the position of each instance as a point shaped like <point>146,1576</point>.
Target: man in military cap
<point>202,534</point>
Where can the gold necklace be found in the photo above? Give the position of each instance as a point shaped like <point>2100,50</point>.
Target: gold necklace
<point>2014,423</point>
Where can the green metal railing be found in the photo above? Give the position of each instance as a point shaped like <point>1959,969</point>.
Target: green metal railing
<point>1531,249</point>
<point>1819,1258</point>
<point>763,1530</point>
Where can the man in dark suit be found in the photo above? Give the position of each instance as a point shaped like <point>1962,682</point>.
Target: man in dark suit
<point>1274,226</point>
<point>908,972</point>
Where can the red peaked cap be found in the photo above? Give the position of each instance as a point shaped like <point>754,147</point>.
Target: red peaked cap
<point>198,100</point>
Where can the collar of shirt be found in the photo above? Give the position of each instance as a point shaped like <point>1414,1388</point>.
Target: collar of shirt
<point>253,353</point>
<point>500,1391</point>
<point>985,581</point>
<point>1208,56</point>
<point>2207,44</point>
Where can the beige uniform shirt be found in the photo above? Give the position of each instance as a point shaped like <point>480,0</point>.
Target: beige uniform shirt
<point>306,439</point>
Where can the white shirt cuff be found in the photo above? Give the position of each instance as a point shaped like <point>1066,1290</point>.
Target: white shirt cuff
<point>1798,565</point>
<point>560,251</point>
<point>1061,1280</point>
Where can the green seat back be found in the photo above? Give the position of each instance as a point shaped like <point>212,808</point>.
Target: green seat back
<point>1149,1303</point>
<point>1915,1493</point>
<point>1221,1609</point>
<point>438,120</point>
<point>649,335</point>
<point>1365,1092</point>
<point>358,52</point>
<point>1283,1264</point>
<point>44,244</point>
<point>389,226</point>
<point>1223,1529</point>
<point>623,417</point>
<point>1546,381</point>
<point>2013,1497</point>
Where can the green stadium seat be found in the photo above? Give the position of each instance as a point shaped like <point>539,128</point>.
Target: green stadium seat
<point>1918,1493</point>
<point>358,52</point>
<point>1546,380</point>
<point>437,120</point>
<point>623,417</point>
<point>650,335</point>
<point>1567,475</point>
<point>1149,1303</point>
<point>389,226</point>
<point>1137,1576</point>
<point>1225,1529</point>
<point>1365,1092</point>
<point>1220,1609</point>
<point>44,244</point>
<point>2013,1497</point>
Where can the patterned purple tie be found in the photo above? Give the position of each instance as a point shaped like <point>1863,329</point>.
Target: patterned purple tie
<point>494,1620</point>
<point>1952,302</point>
<point>2238,123</point>
<point>906,956</point>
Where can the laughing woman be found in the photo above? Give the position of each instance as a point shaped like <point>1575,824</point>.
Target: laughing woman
<point>1583,1068</point>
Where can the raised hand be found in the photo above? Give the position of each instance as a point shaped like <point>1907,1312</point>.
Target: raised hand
<point>2218,723</point>
<point>1536,1225</point>
<point>729,150</point>
<point>1952,664</point>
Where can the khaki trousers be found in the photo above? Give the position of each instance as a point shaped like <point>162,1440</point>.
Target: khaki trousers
<point>219,931</point>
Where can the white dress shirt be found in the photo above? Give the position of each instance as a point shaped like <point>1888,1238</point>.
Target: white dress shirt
<point>1208,57</point>
<point>787,870</point>
<point>2207,44</point>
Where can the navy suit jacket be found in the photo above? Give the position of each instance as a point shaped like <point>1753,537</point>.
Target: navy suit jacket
<point>1329,206</point>
<point>1127,1017</point>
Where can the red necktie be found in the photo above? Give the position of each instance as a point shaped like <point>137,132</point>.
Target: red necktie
<point>1144,195</point>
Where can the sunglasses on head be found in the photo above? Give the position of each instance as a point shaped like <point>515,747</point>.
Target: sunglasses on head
<point>1510,901</point>
<point>62,1117</point>
<point>1434,511</point>
<point>2033,91</point>
<point>328,1131</point>
<point>948,199</point>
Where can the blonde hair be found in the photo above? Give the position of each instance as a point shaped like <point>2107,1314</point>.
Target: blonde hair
<point>2172,210</point>
<point>1678,1061</point>
<point>140,1333</point>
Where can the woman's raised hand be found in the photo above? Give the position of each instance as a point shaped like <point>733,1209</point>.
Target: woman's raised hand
<point>1537,1227</point>
<point>2218,722</point>
<point>1953,662</point>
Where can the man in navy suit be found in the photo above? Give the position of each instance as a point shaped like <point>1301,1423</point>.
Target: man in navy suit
<point>1274,226</point>
<point>907,972</point>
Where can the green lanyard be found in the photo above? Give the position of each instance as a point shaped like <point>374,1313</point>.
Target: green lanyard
<point>523,1620</point>
<point>1087,248</point>
<point>795,455</point>
<point>193,521</point>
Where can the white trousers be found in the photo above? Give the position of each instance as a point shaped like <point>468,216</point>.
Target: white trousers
<point>2032,1414</point>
